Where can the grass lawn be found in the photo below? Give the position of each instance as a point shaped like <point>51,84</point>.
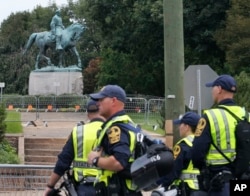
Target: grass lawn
<point>151,129</point>
<point>147,124</point>
<point>13,122</point>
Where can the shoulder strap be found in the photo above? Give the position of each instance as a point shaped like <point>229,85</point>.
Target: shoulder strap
<point>219,150</point>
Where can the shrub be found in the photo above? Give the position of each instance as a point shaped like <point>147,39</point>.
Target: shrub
<point>8,154</point>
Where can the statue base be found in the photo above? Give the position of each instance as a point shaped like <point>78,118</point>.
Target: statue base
<point>56,81</point>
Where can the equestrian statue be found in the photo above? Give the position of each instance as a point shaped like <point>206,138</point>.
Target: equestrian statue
<point>59,38</point>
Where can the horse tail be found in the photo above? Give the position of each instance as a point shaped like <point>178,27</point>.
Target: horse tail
<point>31,40</point>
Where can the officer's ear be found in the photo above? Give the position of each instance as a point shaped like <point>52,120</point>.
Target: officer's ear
<point>219,89</point>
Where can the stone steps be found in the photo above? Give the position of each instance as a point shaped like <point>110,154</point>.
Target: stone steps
<point>42,151</point>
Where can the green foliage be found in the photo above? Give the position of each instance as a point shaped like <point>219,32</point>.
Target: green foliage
<point>234,37</point>
<point>243,90</point>
<point>201,20</point>
<point>2,122</point>
<point>131,34</point>
<point>8,154</point>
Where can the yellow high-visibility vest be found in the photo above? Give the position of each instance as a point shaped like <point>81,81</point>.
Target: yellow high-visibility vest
<point>103,174</point>
<point>222,128</point>
<point>84,137</point>
<point>189,175</point>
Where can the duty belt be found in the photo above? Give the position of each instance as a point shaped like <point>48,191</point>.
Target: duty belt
<point>188,176</point>
<point>82,164</point>
<point>88,180</point>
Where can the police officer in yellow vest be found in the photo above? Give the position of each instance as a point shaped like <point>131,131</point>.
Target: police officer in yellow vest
<point>184,175</point>
<point>75,152</point>
<point>216,128</point>
<point>115,144</point>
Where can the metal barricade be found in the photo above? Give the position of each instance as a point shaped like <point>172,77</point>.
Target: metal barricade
<point>155,111</point>
<point>136,108</point>
<point>27,180</point>
<point>141,110</point>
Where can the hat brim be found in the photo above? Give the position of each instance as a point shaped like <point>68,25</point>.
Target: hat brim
<point>97,96</point>
<point>210,84</point>
<point>177,122</point>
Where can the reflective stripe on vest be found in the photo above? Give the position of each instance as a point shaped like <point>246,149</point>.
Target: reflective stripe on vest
<point>103,175</point>
<point>84,137</point>
<point>189,175</point>
<point>222,128</point>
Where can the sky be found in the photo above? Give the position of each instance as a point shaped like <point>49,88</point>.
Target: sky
<point>12,6</point>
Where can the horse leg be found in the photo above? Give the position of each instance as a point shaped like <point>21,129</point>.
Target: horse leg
<point>37,61</point>
<point>60,59</point>
<point>48,60</point>
<point>79,62</point>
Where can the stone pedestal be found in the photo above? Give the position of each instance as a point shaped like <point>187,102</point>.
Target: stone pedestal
<point>56,81</point>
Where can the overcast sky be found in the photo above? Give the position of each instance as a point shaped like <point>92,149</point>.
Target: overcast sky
<point>12,6</point>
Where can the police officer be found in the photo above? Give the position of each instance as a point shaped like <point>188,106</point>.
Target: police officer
<point>76,150</point>
<point>216,128</point>
<point>114,145</point>
<point>184,175</point>
<point>57,26</point>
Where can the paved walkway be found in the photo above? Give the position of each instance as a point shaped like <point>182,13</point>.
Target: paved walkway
<point>55,125</point>
<point>50,124</point>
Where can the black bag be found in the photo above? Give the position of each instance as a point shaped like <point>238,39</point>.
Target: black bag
<point>242,138</point>
<point>142,140</point>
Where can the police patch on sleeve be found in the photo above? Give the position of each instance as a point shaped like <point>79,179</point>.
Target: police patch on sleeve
<point>176,151</point>
<point>114,134</point>
<point>200,127</point>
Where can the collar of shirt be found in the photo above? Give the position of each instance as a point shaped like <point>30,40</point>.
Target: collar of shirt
<point>120,113</point>
<point>227,102</point>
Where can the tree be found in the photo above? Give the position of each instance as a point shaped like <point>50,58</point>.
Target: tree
<point>201,20</point>
<point>90,76</point>
<point>130,34</point>
<point>234,37</point>
<point>243,90</point>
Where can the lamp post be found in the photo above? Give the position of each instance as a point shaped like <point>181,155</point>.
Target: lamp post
<point>2,85</point>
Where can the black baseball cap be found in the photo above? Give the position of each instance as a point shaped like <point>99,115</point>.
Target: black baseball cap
<point>92,106</point>
<point>226,82</point>
<point>110,91</point>
<point>189,118</point>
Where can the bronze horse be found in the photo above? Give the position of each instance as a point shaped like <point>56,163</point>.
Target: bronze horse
<point>44,40</point>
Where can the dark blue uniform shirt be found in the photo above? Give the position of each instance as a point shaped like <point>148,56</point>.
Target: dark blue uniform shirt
<point>181,162</point>
<point>202,143</point>
<point>120,150</point>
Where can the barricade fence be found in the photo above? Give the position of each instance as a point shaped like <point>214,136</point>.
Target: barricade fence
<point>141,110</point>
<point>26,180</point>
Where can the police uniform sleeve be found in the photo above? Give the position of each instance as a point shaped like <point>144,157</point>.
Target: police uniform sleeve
<point>65,158</point>
<point>118,144</point>
<point>180,153</point>
<point>201,143</point>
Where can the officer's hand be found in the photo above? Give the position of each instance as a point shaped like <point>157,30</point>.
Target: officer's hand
<point>92,155</point>
<point>50,192</point>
